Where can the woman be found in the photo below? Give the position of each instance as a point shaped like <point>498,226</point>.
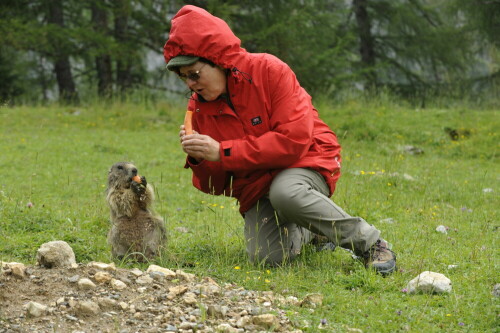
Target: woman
<point>258,138</point>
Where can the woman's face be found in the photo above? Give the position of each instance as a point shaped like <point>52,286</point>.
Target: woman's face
<point>205,80</point>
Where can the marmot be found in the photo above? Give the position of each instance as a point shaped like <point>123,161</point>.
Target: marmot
<point>135,231</point>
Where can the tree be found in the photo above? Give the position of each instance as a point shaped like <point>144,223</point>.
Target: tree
<point>124,61</point>
<point>366,41</point>
<point>10,86</point>
<point>482,22</point>
<point>102,58</point>
<point>482,16</point>
<point>409,45</point>
<point>15,33</point>
<point>310,36</point>
<point>60,54</point>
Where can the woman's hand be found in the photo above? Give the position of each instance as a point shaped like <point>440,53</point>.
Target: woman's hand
<point>199,146</point>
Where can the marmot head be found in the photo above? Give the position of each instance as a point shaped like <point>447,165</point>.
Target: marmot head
<point>120,175</point>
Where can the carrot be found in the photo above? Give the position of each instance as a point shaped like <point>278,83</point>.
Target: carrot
<point>137,179</point>
<point>188,122</point>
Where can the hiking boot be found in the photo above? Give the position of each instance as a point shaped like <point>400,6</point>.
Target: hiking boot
<point>380,258</point>
<point>322,243</point>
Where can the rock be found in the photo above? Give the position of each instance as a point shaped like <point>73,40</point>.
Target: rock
<point>87,308</point>
<point>429,282</point>
<point>209,280</point>
<point>71,318</point>
<point>171,328</point>
<point>244,321</point>
<point>86,284</point>
<point>56,254</point>
<point>312,301</point>
<point>188,277</point>
<point>136,272</point>
<point>267,321</point>
<point>408,177</point>
<point>216,311</point>
<point>388,220</point>
<point>35,309</point>
<point>144,279</point>
<point>183,230</point>
<point>292,300</point>
<point>209,287</point>
<point>226,328</point>
<point>412,150</point>
<point>442,229</point>
<point>123,305</point>
<point>157,276</point>
<point>177,290</point>
<point>73,279</point>
<point>15,269</point>
<point>108,303</point>
<point>496,290</point>
<point>102,266</point>
<point>190,298</point>
<point>117,284</point>
<point>103,277</point>
<point>185,325</point>
<point>169,274</point>
<point>72,302</point>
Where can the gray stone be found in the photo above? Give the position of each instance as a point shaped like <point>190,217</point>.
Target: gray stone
<point>56,254</point>
<point>86,284</point>
<point>86,308</point>
<point>35,309</point>
<point>312,300</point>
<point>430,282</point>
<point>496,290</point>
<point>267,321</point>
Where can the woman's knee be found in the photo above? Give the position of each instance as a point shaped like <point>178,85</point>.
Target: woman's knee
<point>284,193</point>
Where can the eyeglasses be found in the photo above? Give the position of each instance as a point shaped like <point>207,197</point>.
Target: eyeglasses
<point>193,76</point>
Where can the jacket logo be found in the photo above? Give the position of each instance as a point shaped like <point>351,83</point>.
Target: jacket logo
<point>256,121</point>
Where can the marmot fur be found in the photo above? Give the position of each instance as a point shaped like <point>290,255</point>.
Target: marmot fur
<point>135,231</point>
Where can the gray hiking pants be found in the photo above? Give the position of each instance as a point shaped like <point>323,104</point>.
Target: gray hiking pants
<point>296,208</point>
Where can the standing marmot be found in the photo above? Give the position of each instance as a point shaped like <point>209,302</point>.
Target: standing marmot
<point>135,230</point>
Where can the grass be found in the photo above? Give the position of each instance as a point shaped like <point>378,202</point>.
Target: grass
<point>57,158</point>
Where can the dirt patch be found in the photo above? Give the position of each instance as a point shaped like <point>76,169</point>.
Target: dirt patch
<point>91,299</point>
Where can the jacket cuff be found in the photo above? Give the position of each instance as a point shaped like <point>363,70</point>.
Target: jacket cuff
<point>225,149</point>
<point>192,162</point>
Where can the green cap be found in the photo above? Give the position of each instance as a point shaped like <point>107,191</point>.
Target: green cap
<point>182,60</point>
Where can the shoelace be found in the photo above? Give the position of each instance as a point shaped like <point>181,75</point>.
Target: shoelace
<point>375,250</point>
<point>378,249</point>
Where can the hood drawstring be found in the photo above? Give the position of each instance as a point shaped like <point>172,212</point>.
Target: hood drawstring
<point>246,76</point>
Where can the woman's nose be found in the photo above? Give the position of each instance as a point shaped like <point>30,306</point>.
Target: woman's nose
<point>190,83</point>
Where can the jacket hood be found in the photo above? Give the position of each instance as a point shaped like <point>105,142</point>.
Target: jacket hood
<point>196,32</point>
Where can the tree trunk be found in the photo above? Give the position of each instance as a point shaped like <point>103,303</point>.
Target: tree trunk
<point>103,60</point>
<point>366,47</point>
<point>123,62</point>
<point>62,66</point>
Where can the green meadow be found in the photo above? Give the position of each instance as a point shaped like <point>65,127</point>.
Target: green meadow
<point>406,170</point>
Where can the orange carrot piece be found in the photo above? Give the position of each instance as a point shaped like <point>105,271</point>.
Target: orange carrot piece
<point>137,179</point>
<point>188,122</point>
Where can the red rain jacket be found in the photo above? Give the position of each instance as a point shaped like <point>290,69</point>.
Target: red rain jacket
<point>273,126</point>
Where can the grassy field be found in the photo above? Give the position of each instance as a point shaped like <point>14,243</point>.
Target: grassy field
<point>56,159</point>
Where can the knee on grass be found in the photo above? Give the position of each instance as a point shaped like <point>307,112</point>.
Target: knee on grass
<point>287,198</point>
